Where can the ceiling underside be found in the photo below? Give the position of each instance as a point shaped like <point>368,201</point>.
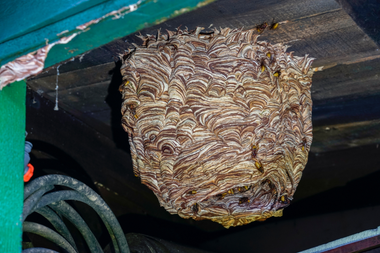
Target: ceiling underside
<point>344,155</point>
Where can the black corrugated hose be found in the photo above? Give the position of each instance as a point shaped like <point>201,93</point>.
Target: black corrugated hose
<point>52,206</point>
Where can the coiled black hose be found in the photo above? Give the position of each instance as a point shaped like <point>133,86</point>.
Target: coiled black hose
<point>58,224</point>
<point>39,250</point>
<point>51,198</point>
<point>36,201</point>
<point>49,234</point>
<point>31,202</point>
<point>69,213</point>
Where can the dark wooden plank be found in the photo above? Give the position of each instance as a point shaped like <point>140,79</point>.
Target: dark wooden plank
<point>97,56</point>
<point>72,79</point>
<point>97,105</point>
<point>319,28</point>
<point>341,80</point>
<point>366,13</point>
<point>89,98</point>
<point>314,27</point>
<point>341,110</point>
<point>335,46</point>
<point>344,136</point>
<point>347,80</point>
<point>248,13</point>
<point>346,93</point>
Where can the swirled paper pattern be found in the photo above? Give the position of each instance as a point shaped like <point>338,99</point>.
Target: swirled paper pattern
<point>219,124</point>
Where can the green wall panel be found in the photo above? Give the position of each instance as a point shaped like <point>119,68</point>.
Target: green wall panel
<point>12,141</point>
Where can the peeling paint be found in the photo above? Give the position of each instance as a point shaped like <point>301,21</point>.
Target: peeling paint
<point>206,2</point>
<point>28,65</point>
<point>63,32</point>
<point>33,63</point>
<point>117,14</point>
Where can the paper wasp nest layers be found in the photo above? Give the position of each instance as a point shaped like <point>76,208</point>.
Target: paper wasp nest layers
<point>219,125</point>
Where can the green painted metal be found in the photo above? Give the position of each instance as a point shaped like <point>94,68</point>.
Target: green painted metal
<point>12,141</point>
<point>34,33</point>
<point>149,12</point>
<point>21,17</point>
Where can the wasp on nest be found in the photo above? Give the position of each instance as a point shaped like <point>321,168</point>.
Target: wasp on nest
<point>223,124</point>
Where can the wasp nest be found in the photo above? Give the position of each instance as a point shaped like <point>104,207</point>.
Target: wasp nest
<point>219,124</point>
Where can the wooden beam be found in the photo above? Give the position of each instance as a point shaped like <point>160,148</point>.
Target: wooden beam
<point>345,136</point>
<point>321,29</point>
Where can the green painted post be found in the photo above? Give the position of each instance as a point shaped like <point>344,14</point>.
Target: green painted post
<point>12,141</point>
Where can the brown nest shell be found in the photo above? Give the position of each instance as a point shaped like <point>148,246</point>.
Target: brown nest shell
<point>219,124</point>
